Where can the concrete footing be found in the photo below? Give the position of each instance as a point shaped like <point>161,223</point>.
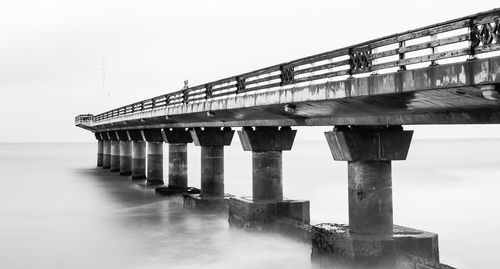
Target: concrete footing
<point>174,191</point>
<point>334,245</point>
<point>249,214</point>
<point>197,202</point>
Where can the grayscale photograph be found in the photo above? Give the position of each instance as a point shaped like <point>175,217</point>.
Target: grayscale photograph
<point>249,134</point>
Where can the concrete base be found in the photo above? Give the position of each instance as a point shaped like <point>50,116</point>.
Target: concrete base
<point>170,191</point>
<point>140,177</point>
<point>196,202</point>
<point>332,244</point>
<point>248,214</point>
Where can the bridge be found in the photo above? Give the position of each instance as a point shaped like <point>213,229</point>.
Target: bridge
<point>446,73</point>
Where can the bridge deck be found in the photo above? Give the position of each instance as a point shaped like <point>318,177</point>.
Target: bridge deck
<point>440,74</point>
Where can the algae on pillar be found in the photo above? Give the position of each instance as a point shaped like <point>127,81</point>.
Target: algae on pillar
<point>106,148</point>
<point>138,154</point>
<point>99,149</point>
<point>115,151</point>
<point>267,203</point>
<point>154,140</point>
<point>212,141</point>
<point>125,153</point>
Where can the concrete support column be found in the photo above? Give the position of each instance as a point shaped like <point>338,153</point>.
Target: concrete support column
<point>106,148</point>
<point>369,151</point>
<point>154,140</point>
<point>115,151</point>
<point>138,160</point>
<point>267,184</point>
<point>212,142</point>
<point>138,154</point>
<point>125,153</point>
<point>267,203</point>
<point>125,158</point>
<point>267,144</point>
<point>155,163</point>
<point>177,165</point>
<point>212,172</point>
<point>99,149</point>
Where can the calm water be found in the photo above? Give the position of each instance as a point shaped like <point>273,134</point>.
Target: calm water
<point>59,211</point>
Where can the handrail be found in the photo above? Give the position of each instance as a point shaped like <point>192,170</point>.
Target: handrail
<point>471,35</point>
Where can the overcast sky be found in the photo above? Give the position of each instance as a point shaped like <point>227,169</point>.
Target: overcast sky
<point>59,59</point>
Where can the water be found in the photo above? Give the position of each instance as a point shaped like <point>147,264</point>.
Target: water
<point>59,211</point>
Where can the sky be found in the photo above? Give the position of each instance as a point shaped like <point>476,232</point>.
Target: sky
<point>59,59</point>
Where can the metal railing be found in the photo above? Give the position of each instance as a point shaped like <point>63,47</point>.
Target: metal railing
<point>459,40</point>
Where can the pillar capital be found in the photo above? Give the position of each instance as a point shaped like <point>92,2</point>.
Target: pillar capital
<point>177,136</point>
<point>153,135</point>
<point>122,135</point>
<point>135,135</point>
<point>98,136</point>
<point>369,143</point>
<point>212,136</point>
<point>104,136</point>
<point>112,135</point>
<point>268,138</point>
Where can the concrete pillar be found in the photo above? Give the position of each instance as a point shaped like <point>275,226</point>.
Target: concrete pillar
<point>154,140</point>
<point>155,163</point>
<point>212,142</point>
<point>267,182</point>
<point>115,151</point>
<point>125,153</point>
<point>177,165</point>
<point>138,154</point>
<point>125,158</point>
<point>138,160</point>
<point>177,139</point>
<point>106,148</point>
<point>267,203</point>
<point>369,151</point>
<point>267,144</point>
<point>99,149</point>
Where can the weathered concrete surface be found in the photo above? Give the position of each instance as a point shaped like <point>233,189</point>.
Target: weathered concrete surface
<point>100,145</point>
<point>138,160</point>
<point>212,142</point>
<point>177,166</point>
<point>251,214</point>
<point>115,156</point>
<point>175,191</point>
<point>441,94</point>
<point>155,163</point>
<point>197,202</point>
<point>125,158</point>
<point>334,245</point>
<point>106,156</point>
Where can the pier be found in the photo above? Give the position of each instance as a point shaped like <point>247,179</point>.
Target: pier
<point>446,73</point>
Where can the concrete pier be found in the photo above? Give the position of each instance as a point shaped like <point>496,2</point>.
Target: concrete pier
<point>106,148</point>
<point>155,163</point>
<point>138,154</point>
<point>369,151</point>
<point>115,152</point>
<point>177,165</point>
<point>267,203</point>
<point>177,139</point>
<point>212,142</point>
<point>154,140</point>
<point>99,149</point>
<point>125,153</point>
